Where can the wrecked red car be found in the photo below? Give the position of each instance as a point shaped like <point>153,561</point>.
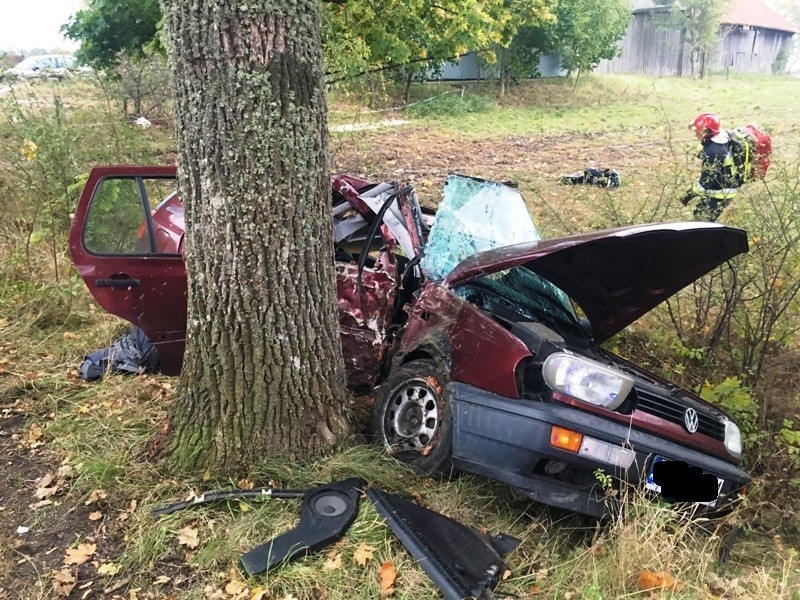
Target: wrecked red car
<point>484,341</point>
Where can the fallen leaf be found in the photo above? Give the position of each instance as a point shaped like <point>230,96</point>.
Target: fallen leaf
<point>45,492</point>
<point>162,579</point>
<point>388,576</point>
<point>363,553</point>
<point>213,594</point>
<point>435,385</point>
<point>34,434</point>
<point>333,562</point>
<point>80,554</point>
<point>68,335</point>
<point>46,480</point>
<point>95,516</point>
<point>63,582</point>
<point>246,484</point>
<point>236,588</point>
<point>188,537</point>
<point>95,496</point>
<point>658,580</point>
<point>108,569</point>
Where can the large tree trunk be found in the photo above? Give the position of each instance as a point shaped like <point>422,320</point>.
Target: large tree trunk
<point>263,369</point>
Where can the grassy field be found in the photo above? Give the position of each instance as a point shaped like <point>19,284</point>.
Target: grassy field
<point>77,488</point>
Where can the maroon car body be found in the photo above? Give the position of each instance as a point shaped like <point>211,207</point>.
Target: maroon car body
<point>482,360</point>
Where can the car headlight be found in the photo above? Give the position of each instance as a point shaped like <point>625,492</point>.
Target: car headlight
<point>586,380</point>
<point>733,439</point>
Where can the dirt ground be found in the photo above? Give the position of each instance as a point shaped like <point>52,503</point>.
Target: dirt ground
<point>420,156</point>
<point>535,164</point>
<point>36,528</point>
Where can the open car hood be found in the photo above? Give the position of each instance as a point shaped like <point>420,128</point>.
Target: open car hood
<point>616,275</point>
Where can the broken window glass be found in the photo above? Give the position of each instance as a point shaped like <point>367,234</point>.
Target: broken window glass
<point>475,215</point>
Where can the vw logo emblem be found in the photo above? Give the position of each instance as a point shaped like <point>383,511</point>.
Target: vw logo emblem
<point>691,420</point>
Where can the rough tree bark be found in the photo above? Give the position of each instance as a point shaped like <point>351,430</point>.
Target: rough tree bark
<point>263,368</point>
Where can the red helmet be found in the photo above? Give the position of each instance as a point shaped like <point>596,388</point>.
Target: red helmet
<point>707,123</point>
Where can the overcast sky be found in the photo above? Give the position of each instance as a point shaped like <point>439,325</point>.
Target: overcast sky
<point>28,24</point>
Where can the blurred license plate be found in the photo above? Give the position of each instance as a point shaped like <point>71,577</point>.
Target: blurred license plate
<point>651,485</point>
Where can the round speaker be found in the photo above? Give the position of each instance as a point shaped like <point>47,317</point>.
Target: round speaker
<point>330,504</point>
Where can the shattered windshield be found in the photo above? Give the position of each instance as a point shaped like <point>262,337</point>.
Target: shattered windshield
<point>519,294</point>
<point>475,215</point>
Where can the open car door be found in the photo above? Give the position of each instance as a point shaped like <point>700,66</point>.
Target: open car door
<point>126,242</point>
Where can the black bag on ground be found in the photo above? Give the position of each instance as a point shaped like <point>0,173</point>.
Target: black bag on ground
<point>593,176</point>
<point>130,354</point>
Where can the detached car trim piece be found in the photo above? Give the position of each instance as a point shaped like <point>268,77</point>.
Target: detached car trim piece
<point>482,338</point>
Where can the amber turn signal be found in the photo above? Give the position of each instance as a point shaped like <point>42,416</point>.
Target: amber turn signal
<point>565,439</point>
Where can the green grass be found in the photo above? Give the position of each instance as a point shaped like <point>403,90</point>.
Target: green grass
<point>609,103</point>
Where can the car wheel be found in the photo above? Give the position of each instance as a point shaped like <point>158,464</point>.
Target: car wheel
<point>412,416</point>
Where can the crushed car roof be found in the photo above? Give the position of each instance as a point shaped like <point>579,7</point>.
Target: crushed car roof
<point>616,275</point>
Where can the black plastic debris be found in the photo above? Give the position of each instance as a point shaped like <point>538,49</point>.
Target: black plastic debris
<point>130,354</point>
<point>213,497</point>
<point>327,513</point>
<point>460,561</point>
<point>593,176</point>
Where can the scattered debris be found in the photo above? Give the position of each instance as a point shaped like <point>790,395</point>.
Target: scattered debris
<point>130,354</point>
<point>593,176</point>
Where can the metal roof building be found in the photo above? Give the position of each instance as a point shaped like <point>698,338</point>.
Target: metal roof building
<point>752,38</point>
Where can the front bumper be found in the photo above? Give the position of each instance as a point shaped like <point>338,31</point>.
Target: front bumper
<point>509,440</point>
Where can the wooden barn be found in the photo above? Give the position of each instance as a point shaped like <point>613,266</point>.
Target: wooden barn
<point>752,38</point>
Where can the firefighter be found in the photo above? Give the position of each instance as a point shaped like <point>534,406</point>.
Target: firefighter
<point>718,183</point>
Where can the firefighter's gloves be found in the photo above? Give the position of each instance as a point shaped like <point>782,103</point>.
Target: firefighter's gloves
<point>688,197</point>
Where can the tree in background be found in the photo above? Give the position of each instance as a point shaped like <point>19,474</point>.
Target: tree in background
<point>583,33</point>
<point>107,29</point>
<point>124,38</point>
<point>414,37</point>
<point>587,32</point>
<point>512,17</point>
<point>698,22</point>
<point>263,370</point>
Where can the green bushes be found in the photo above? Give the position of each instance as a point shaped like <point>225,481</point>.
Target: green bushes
<point>47,146</point>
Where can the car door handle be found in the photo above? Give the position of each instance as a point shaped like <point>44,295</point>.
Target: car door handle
<point>117,282</point>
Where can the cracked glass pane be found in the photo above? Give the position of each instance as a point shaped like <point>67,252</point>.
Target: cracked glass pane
<point>475,215</point>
